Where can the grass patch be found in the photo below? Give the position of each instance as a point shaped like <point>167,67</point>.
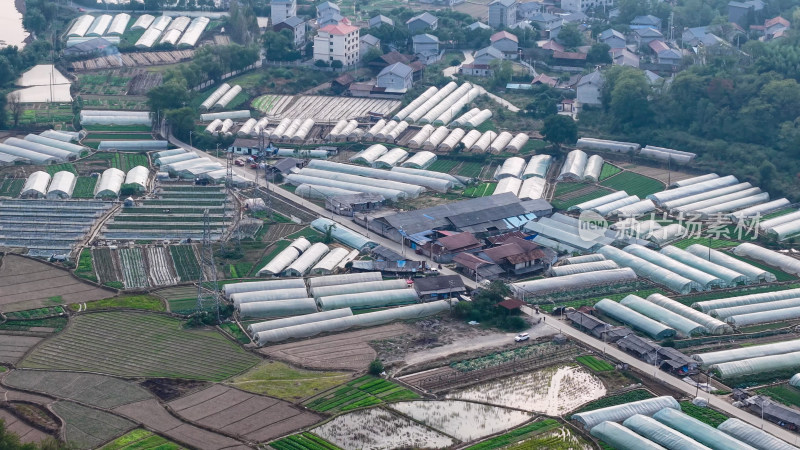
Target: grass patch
<point>594,364</point>
<point>309,233</point>
<point>85,267</point>
<point>32,314</point>
<point>11,187</point>
<point>706,415</point>
<point>69,167</point>
<point>233,329</point>
<point>141,439</point>
<point>359,393</point>
<point>144,302</point>
<point>183,306</point>
<point>613,400</point>
<point>56,323</point>
<point>516,435</point>
<point>480,190</point>
<point>443,165</point>
<point>563,188</point>
<point>609,170</point>
<point>276,379</point>
<point>634,184</point>
<point>470,169</point>
<point>784,393</point>
<point>303,441</point>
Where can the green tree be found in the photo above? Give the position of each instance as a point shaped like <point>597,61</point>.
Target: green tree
<point>375,367</point>
<point>629,105</point>
<point>502,71</point>
<point>35,21</point>
<point>598,54</point>
<point>560,129</point>
<point>182,121</point>
<point>280,46</point>
<point>570,36</point>
<point>167,96</point>
<point>336,64</point>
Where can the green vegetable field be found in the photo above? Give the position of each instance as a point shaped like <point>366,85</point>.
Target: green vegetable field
<point>364,391</point>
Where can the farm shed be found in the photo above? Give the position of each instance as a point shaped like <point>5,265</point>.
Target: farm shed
<point>537,166</point>
<point>470,139</point>
<point>682,203</point>
<point>303,264</point>
<point>477,119</point>
<point>462,119</point>
<point>483,142</point>
<point>118,25</point>
<point>442,286</point>
<point>253,286</point>
<point>109,183</point>
<point>773,315</point>
<point>420,160</point>
<point>437,137</point>
<point>621,412</point>
<point>193,32</point>
<point>574,166</point>
<point>745,353</point>
<point>285,257</point>
<point>753,436</point>
<point>62,185</point>
<point>572,282</point>
<point>608,146</point>
<point>512,167</point>
<point>343,235</point>
<point>416,114</point>
<point>706,280</point>
<point>429,174</point>
<point>363,300</point>
<point>713,325</point>
<point>16,154</point>
<point>298,320</point>
<point>570,269</point>
<point>298,179</point>
<point>660,433</point>
<point>759,210</point>
<point>500,143</point>
<point>509,184</point>
<point>604,200</point>
<point>636,209</point>
<point>143,22</point>
<point>653,272</point>
<point>729,277</point>
<point>612,207</point>
<point>62,155</point>
<point>330,262</point>
<point>138,176</point>
<point>36,185</point>
<point>80,26</point>
<point>532,188</point>
<point>63,145</point>
<point>664,196</point>
<point>267,295</point>
<point>709,306</point>
<point>699,431</point>
<point>350,204</point>
<point>369,155</point>
<point>412,184</point>
<point>344,323</point>
<point>391,158</point>
<point>618,436</point>
<point>416,103</point>
<point>356,288</point>
<point>635,319</point>
<point>278,308</point>
<point>769,257</point>
<point>594,166</point>
<point>680,323</point>
<point>753,273</point>
<point>517,143</point>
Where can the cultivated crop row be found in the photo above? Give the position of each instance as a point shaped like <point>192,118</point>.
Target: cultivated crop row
<point>364,391</point>
<point>594,364</point>
<point>108,267</point>
<point>11,187</point>
<point>84,187</point>
<point>634,184</point>
<point>133,270</point>
<point>304,441</point>
<point>161,271</point>
<point>185,262</point>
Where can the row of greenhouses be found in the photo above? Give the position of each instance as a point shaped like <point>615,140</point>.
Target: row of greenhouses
<point>782,227</point>
<point>302,258</point>
<point>565,283</point>
<point>38,149</point>
<point>738,363</point>
<point>381,131</point>
<point>220,98</point>
<point>103,25</point>
<point>530,189</point>
<point>292,130</point>
<point>578,166</point>
<point>439,106</point>
<point>752,309</point>
<point>180,32</point>
<point>190,165</point>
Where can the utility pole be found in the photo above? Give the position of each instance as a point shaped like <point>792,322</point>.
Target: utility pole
<point>209,294</point>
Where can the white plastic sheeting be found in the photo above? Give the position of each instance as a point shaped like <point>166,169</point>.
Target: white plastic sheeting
<point>109,183</point>
<point>382,132</point>
<point>374,129</point>
<point>328,264</point>
<point>303,264</point>
<point>593,266</point>
<point>509,184</point>
<point>347,278</point>
<point>420,160</point>
<point>653,272</point>
<point>138,176</point>
<point>483,142</point>
<point>704,279</point>
<point>688,203</point>
<point>267,295</point>
<point>391,158</point>
<point>241,114</point>
<point>477,119</point>
<point>694,180</point>
<point>500,142</point>
<point>682,324</point>
<point>417,113</point>
<point>416,103</point>
<point>99,25</point>
<point>260,126</point>
<point>41,148</point>
<point>72,148</point>
<point>410,189</point>
<point>634,319</point>
<point>298,320</point>
<point>594,257</point>
<point>80,26</point>
<point>661,434</point>
<point>395,132</point>
<point>302,131</point>
<point>422,135</point>
<point>193,32</point>
<point>609,208</point>
<point>780,220</point>
<point>611,146</point>
<point>451,112</point>
<point>417,181</point>
<point>759,210</point>
<point>511,167</point>
<point>389,194</point>
<point>742,300</point>
<point>148,38</point>
<point>724,313</point>
<point>282,260</point>
<point>795,380</point>
<point>64,136</point>
<point>452,139</point>
<point>785,230</point>
<point>518,142</point>
<point>594,167</point>
<point>253,286</point>
<point>464,118</point>
<point>753,436</point>
<point>471,138</point>
<point>278,308</point>
<point>606,199</point>
<point>437,137</point>
<point>344,323</point>
<point>227,97</point>
<point>574,166</point>
<point>143,22</point>
<point>429,174</point>
<point>10,154</point>
<point>532,188</point>
<point>758,365</point>
<point>769,257</point>
<point>247,128</point>
<point>62,185</point>
<point>320,192</point>
<point>356,288</point>
<point>661,155</point>
<point>280,130</point>
<point>664,196</point>
<point>619,437</point>
<point>699,431</point>
<point>451,101</point>
<point>738,354</point>
<point>621,412</point>
<point>666,234</point>
<point>734,204</point>
<point>342,234</point>
<point>636,209</point>
<point>571,282</point>
<point>785,314</point>
<point>362,300</point>
<point>119,24</point>
<point>212,99</point>
<point>751,272</point>
<point>36,184</point>
<point>713,325</point>
<point>728,276</point>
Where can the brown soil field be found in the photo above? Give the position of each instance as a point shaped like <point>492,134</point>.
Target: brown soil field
<point>26,433</point>
<point>28,284</point>
<point>90,389</point>
<point>659,174</point>
<point>279,231</point>
<point>152,415</point>
<point>13,348</point>
<point>234,412</point>
<point>168,389</point>
<point>343,351</point>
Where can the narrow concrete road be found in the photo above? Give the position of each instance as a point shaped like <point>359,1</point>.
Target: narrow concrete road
<point>665,378</point>
<point>451,71</point>
<point>345,222</point>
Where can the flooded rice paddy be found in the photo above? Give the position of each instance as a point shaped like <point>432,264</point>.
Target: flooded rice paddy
<point>466,421</point>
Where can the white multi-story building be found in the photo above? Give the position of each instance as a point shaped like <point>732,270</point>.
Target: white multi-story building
<point>280,10</point>
<point>583,5</point>
<point>337,43</point>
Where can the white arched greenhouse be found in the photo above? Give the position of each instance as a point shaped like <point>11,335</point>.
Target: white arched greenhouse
<point>483,142</point>
<point>462,119</point>
<point>342,234</point>
<point>518,142</point>
<point>728,276</point>
<point>118,25</point>
<point>594,167</point>
<point>653,272</point>
<point>699,431</point>
<point>247,128</point>
<point>137,176</point>
<point>374,129</point>
<point>611,207</point>
<point>724,313</point>
<point>241,114</point>
<point>508,184</point>
<point>420,160</point>
<point>303,264</point>
<point>619,413</point>
<point>282,260</point>
<point>635,209</point>
<point>470,139</point>
<point>752,273</point>
<point>574,166</point>
<point>429,174</point>
<point>328,264</point>
<point>389,194</point>
<point>477,119</point>
<point>355,288</point>
<point>660,433</point>
<point>628,316</point>
<point>416,182</point>
<point>571,282</point>
<point>381,134</point>
<point>685,326</point>
<point>608,146</point>
<point>437,137</point>
<point>298,320</point>
<point>500,142</point>
<point>62,185</point>
<point>143,22</point>
<point>365,300</point>
<point>769,257</point>
<point>537,166</point>
<point>593,266</point>
<point>99,25</point>
<point>391,158</point>
<point>278,308</point>
<point>664,196</point>
<point>80,26</point>
<point>320,192</point>
<point>63,155</point>
<point>109,183</point>
<point>63,145</point>
<point>693,180</point>
<point>416,114</point>
<point>452,139</point>
<point>268,295</point>
<point>416,103</point>
<point>749,299</point>
<point>743,320</point>
<point>702,196</point>
<point>15,153</point>
<point>532,189</point>
<point>617,436</point>
<point>227,97</point>
<point>511,167</point>
<point>253,286</point>
<point>753,436</point>
<point>759,210</point>
<point>706,280</point>
<point>713,325</point>
<point>409,189</point>
<point>347,278</point>
<point>193,32</point>
<point>422,135</point>
<point>36,185</point>
<point>744,353</point>
<point>369,155</point>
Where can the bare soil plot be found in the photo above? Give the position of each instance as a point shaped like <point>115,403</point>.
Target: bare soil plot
<point>161,272</point>
<point>279,231</point>
<point>239,413</point>
<point>28,284</point>
<point>106,262</point>
<point>140,345</point>
<point>280,380</point>
<point>152,415</point>
<point>13,347</point>
<point>660,174</point>
<point>344,351</point>
<point>95,390</point>
<point>169,389</point>
<point>87,427</point>
<point>26,433</point>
